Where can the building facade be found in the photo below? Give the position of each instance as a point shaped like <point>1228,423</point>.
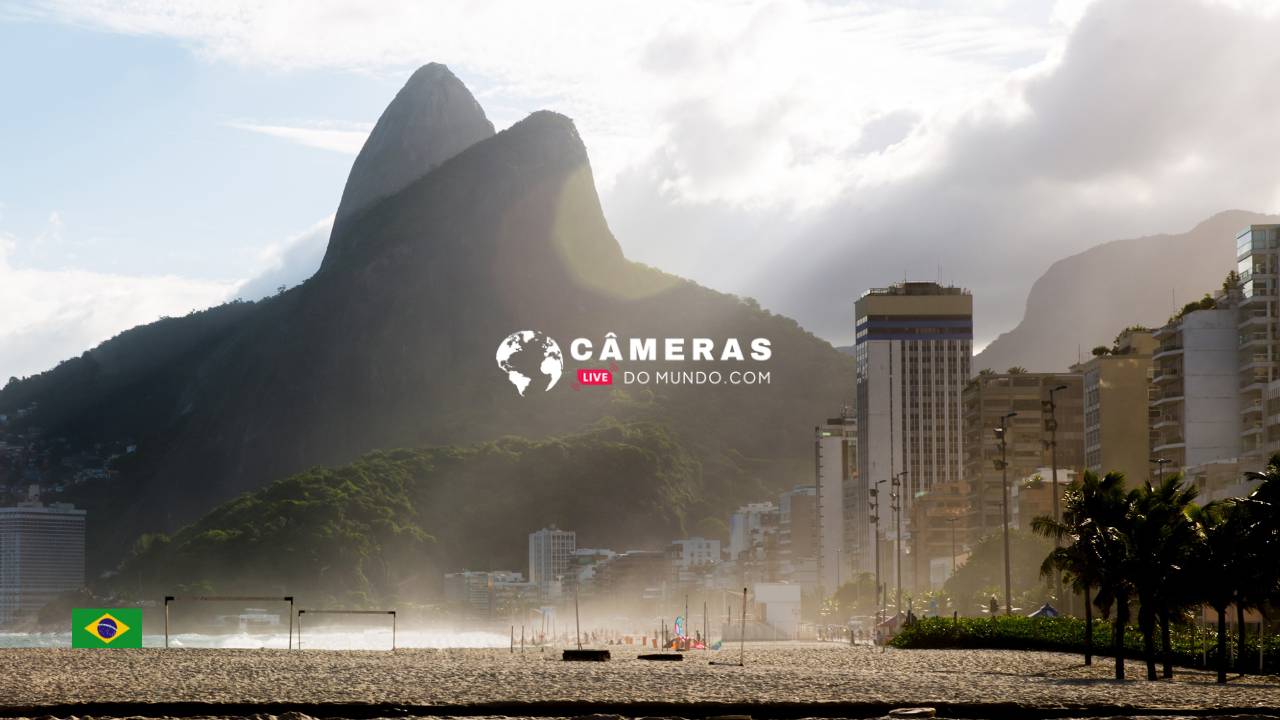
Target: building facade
<point>1258,262</point>
<point>41,557</point>
<point>550,557</point>
<point>1117,413</point>
<point>912,352</point>
<point>1196,392</point>
<point>835,460</point>
<point>987,399</point>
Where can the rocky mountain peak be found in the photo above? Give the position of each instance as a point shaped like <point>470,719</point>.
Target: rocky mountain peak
<point>433,118</point>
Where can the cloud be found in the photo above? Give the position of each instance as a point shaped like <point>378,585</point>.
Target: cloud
<point>345,141</point>
<point>288,262</point>
<point>802,152</point>
<point>51,315</point>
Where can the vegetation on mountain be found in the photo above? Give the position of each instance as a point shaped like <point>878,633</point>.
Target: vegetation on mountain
<point>385,528</point>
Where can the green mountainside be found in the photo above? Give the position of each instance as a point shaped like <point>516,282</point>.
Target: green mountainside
<point>387,526</point>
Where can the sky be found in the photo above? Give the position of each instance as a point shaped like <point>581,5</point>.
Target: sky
<point>160,157</point>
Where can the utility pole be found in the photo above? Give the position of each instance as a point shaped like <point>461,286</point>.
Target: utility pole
<point>1052,426</point>
<point>875,520</point>
<point>896,506</point>
<point>1003,464</point>
<point>952,521</point>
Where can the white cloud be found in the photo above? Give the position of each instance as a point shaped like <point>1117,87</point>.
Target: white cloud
<point>51,315</point>
<point>751,103</point>
<point>288,262</point>
<point>803,151</point>
<point>346,141</point>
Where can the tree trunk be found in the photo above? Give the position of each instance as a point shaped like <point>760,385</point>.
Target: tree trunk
<point>1088,628</point>
<point>1241,655</point>
<point>1147,624</point>
<point>1166,644</point>
<point>1222,644</point>
<point>1117,640</point>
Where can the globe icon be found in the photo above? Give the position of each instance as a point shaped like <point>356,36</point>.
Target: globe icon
<point>106,628</point>
<point>526,354</point>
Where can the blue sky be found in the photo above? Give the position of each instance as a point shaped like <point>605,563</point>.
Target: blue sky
<point>157,157</point>
<point>127,139</point>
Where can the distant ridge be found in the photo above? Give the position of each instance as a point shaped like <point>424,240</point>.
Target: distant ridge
<point>1085,300</point>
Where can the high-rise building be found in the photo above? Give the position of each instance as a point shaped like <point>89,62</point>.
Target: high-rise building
<point>835,460</point>
<point>912,350</point>
<point>41,556</point>
<point>1197,387</point>
<point>799,527</point>
<point>550,556</point>
<point>746,524</point>
<point>990,397</point>
<point>1117,387</point>
<point>1258,263</point>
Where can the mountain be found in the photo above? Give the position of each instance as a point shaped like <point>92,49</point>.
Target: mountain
<point>385,527</point>
<point>431,119</point>
<point>1085,300</point>
<point>392,344</point>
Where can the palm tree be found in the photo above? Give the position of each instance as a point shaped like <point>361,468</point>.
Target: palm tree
<point>1081,536</point>
<point>1108,514</point>
<point>1160,536</point>
<point>1215,563</point>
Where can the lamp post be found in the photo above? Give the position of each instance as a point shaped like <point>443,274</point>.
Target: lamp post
<point>1052,426</point>
<point>952,521</point>
<point>1160,463</point>
<point>875,520</point>
<point>896,506</point>
<point>1003,464</point>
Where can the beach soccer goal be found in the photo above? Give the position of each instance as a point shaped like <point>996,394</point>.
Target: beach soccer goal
<point>391,613</point>
<point>170,599</point>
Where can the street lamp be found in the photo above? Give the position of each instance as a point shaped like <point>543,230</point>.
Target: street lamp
<point>1160,463</point>
<point>952,521</point>
<point>875,520</point>
<point>1003,465</point>
<point>1052,426</point>
<point>896,506</point>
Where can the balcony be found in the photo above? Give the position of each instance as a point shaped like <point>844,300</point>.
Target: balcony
<point>1254,382</point>
<point>1253,319</point>
<point>1251,408</point>
<point>1166,374</point>
<point>1255,361</point>
<point>1169,350</point>
<point>1167,399</point>
<point>1250,341</point>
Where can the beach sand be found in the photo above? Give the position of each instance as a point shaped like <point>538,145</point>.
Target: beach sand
<point>829,680</point>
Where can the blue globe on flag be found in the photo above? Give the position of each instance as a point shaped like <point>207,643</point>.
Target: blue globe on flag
<point>106,628</point>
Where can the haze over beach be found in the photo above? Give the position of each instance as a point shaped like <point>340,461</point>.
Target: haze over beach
<point>611,361</point>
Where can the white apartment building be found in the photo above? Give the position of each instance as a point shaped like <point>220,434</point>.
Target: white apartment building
<point>550,554</point>
<point>41,556</point>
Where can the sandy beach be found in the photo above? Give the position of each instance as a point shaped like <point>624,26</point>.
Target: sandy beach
<point>778,681</point>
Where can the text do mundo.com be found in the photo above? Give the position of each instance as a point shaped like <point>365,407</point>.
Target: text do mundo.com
<point>674,377</point>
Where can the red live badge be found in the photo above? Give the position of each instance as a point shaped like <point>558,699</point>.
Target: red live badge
<point>594,377</point>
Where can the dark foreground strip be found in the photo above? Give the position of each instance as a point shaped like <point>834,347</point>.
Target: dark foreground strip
<point>692,710</point>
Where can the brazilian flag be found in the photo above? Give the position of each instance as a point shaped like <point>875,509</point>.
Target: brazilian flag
<point>106,628</point>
